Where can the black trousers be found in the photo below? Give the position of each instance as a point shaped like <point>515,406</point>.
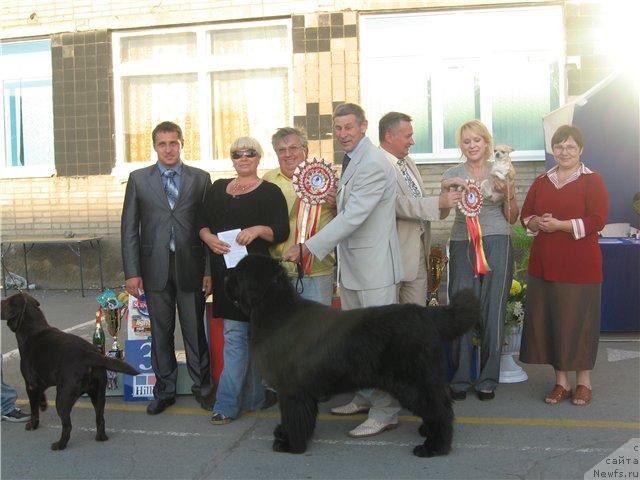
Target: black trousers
<point>162,312</point>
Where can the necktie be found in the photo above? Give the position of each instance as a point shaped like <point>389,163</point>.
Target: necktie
<point>345,163</point>
<point>415,191</point>
<point>171,189</point>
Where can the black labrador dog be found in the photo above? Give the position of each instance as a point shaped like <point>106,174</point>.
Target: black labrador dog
<point>307,351</point>
<point>50,357</point>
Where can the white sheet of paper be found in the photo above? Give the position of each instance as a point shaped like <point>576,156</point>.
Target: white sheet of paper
<point>237,252</point>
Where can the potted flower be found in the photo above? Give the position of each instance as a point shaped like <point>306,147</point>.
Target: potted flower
<point>514,316</point>
<point>510,371</point>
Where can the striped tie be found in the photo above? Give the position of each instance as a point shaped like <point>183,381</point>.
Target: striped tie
<point>171,189</point>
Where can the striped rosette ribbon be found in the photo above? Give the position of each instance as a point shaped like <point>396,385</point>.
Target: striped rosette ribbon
<point>312,180</point>
<point>470,205</point>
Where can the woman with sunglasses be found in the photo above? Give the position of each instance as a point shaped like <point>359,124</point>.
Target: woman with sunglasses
<point>258,208</point>
<point>565,208</point>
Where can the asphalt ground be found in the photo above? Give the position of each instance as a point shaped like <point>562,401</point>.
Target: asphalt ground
<point>514,436</point>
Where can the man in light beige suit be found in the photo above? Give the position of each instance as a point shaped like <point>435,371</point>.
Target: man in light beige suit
<point>364,232</point>
<point>414,211</point>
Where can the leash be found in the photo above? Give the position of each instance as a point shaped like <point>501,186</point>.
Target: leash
<point>20,291</point>
<point>300,270</point>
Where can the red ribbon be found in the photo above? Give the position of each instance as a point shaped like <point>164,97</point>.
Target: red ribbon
<point>309,228</point>
<point>480,267</point>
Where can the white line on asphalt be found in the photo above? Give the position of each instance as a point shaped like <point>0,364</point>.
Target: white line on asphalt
<point>150,433</point>
<point>363,443</point>
<point>15,353</point>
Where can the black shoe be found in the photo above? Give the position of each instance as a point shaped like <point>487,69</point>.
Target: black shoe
<point>206,402</point>
<point>461,395</point>
<point>486,395</point>
<point>158,405</point>
<point>270,398</point>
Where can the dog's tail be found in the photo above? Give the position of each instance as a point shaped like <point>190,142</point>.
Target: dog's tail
<point>459,316</point>
<point>117,365</point>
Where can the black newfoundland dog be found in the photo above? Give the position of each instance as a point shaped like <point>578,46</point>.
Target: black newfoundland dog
<point>50,357</point>
<point>308,351</point>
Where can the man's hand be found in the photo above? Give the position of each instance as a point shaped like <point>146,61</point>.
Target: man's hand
<point>133,286</point>
<point>293,254</point>
<point>455,182</point>
<point>449,199</point>
<point>207,285</point>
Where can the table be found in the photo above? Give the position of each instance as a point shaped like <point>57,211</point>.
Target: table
<point>73,243</point>
<point>620,308</point>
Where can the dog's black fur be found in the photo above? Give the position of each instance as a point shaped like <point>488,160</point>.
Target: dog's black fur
<point>308,351</point>
<point>50,357</point>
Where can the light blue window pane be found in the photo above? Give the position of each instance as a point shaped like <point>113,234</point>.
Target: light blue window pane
<point>28,123</point>
<point>461,101</point>
<point>523,94</point>
<point>388,89</point>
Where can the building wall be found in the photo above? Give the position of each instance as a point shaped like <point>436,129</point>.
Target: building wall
<point>85,199</point>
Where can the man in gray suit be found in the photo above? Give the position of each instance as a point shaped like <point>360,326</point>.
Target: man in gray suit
<point>364,231</point>
<point>414,211</point>
<point>164,257</point>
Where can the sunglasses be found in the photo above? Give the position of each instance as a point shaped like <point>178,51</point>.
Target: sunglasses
<point>244,153</point>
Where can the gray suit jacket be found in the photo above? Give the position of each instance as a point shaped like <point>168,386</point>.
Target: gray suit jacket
<point>146,228</point>
<point>364,228</point>
<point>413,215</point>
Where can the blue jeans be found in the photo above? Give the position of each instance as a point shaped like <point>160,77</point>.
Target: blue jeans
<point>240,386</point>
<point>8,395</point>
<point>318,289</point>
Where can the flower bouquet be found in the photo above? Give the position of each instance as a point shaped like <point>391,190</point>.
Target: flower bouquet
<point>515,308</point>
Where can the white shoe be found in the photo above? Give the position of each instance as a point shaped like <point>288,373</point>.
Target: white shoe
<point>350,408</point>
<point>371,427</point>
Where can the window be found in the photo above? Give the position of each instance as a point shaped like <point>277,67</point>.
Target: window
<point>502,66</point>
<point>217,82</point>
<point>27,109</point>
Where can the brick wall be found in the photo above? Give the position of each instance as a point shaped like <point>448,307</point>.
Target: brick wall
<point>92,206</point>
<point>84,199</point>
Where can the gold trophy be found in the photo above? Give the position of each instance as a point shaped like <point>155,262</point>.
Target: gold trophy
<point>437,263</point>
<point>113,321</point>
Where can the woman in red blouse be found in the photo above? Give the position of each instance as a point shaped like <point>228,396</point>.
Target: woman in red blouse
<point>564,209</point>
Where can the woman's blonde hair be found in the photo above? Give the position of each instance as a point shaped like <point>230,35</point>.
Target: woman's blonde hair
<point>245,143</point>
<point>479,128</point>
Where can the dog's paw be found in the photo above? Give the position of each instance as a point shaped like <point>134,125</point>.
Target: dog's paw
<point>279,433</point>
<point>58,446</point>
<point>280,445</point>
<point>32,424</point>
<point>427,450</point>
<point>43,404</point>
<point>101,437</point>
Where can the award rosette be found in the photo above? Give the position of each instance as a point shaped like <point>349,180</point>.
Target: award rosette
<point>312,180</point>
<point>470,205</point>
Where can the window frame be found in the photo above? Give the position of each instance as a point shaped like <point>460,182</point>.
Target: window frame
<point>32,71</point>
<point>203,64</point>
<point>483,63</point>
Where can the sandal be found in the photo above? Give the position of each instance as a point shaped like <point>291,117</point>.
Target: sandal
<point>219,419</point>
<point>557,395</point>
<point>583,394</point>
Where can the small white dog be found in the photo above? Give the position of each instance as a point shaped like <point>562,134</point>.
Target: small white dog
<point>502,169</point>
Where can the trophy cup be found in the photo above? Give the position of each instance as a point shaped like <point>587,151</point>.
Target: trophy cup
<point>113,310</point>
<point>437,263</point>
<point>113,321</point>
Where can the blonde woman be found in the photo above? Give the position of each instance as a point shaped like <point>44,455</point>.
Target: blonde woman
<point>476,145</point>
<point>259,210</point>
